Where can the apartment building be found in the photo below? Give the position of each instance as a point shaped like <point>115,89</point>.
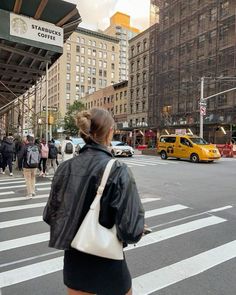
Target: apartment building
<point>138,79</point>
<point>194,39</point>
<point>120,28</point>
<point>90,62</point>
<point>112,98</point>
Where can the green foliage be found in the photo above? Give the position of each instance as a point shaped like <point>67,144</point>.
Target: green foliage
<point>70,123</point>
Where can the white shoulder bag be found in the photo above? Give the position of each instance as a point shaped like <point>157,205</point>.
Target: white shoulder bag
<point>92,237</point>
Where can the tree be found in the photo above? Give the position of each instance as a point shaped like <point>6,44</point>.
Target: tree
<point>70,123</point>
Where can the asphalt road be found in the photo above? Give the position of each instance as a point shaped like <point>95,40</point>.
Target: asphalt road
<point>191,251</point>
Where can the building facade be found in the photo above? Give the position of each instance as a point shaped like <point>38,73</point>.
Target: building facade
<point>194,39</point>
<point>138,79</point>
<point>112,98</point>
<point>90,62</point>
<point>120,28</point>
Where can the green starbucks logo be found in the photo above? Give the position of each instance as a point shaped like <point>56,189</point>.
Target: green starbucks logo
<point>19,26</point>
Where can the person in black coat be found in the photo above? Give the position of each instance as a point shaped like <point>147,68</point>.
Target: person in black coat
<point>73,190</point>
<point>7,151</point>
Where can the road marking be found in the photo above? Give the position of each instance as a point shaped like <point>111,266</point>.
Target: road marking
<point>220,209</point>
<point>147,200</point>
<point>174,273</point>
<point>13,179</point>
<point>22,207</point>
<point>152,238</point>
<point>150,162</point>
<point>29,272</point>
<point>164,210</point>
<point>175,231</point>
<point>22,198</point>
<point>133,163</point>
<point>12,182</point>
<point>43,189</point>
<point>24,185</point>
<point>7,193</point>
<point>24,241</point>
<point>17,222</point>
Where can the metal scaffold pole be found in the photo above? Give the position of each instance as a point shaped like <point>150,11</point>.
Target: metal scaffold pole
<point>46,135</point>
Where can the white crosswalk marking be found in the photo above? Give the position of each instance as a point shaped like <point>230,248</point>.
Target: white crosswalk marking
<point>174,223</point>
<point>169,275</point>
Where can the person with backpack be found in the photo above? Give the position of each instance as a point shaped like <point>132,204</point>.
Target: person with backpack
<point>67,149</point>
<point>31,158</point>
<point>7,151</point>
<point>52,155</point>
<point>44,150</point>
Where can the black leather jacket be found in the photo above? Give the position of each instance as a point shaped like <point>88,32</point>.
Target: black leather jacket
<point>73,189</point>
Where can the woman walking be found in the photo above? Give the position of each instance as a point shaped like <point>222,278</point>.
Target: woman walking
<point>44,150</point>
<point>73,190</point>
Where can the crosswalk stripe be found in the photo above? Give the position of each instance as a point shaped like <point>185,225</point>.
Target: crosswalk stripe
<point>134,164</point>
<point>152,238</point>
<point>29,272</point>
<point>141,162</point>
<point>164,210</point>
<point>24,241</point>
<point>147,162</point>
<point>11,179</point>
<point>12,182</point>
<point>7,193</point>
<point>21,199</point>
<point>175,231</point>
<point>23,185</point>
<point>22,207</point>
<point>16,222</point>
<point>147,200</point>
<point>43,189</point>
<point>171,274</point>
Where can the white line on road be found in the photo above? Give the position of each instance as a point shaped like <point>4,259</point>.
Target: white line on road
<point>171,274</point>
<point>11,179</point>
<point>24,241</point>
<point>147,200</point>
<point>24,185</point>
<point>22,198</point>
<point>220,209</point>
<point>175,231</point>
<point>7,193</point>
<point>22,207</point>
<point>12,182</point>
<point>44,189</point>
<point>164,210</point>
<point>17,222</point>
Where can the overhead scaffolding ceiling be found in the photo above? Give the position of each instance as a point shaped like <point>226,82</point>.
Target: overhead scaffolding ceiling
<point>23,61</point>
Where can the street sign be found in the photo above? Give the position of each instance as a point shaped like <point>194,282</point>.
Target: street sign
<point>50,109</point>
<point>203,110</point>
<point>203,104</point>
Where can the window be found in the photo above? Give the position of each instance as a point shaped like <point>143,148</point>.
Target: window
<point>113,57</point>
<point>94,62</point>
<point>113,66</point>
<point>105,46</point>
<point>185,141</point>
<point>89,51</point>
<point>104,64</point>
<point>77,58</point>
<point>78,39</point>
<point>94,43</point>
<point>100,54</point>
<point>89,71</point>
<point>89,42</point>
<point>68,77</point>
<point>121,108</point>
<point>77,68</point>
<point>89,61</point>
<point>144,91</point>
<point>82,59</point>
<point>100,63</point>
<point>67,86</point>
<point>224,8</point>
<point>82,79</point>
<point>138,64</point>
<point>68,56</point>
<point>82,50</point>
<point>68,67</point>
<point>213,14</point>
<point>68,46</point>
<point>113,48</point>
<point>67,95</point>
<point>144,77</point>
<point>137,107</point>
<point>89,80</point>
<point>105,73</point>
<point>138,48</point>
<point>100,73</point>
<point>94,71</point>
<point>104,55</point>
<point>144,45</point>
<point>82,40</point>
<point>144,61</point>
<point>77,78</point>
<point>77,87</point>
<point>77,48</point>
<point>82,69</point>
<point>94,52</point>
<point>143,105</point>
<point>112,75</point>
<point>168,139</point>
<point>94,81</point>
<point>137,92</point>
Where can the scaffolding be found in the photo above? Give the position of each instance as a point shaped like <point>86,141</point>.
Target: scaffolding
<point>193,39</point>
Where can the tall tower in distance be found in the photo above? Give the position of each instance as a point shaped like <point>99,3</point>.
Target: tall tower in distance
<point>121,29</point>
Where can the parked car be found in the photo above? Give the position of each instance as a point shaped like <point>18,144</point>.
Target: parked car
<point>189,147</point>
<point>119,148</point>
<point>79,143</point>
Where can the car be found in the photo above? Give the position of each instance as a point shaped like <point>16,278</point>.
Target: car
<point>78,142</point>
<point>190,147</point>
<point>119,148</point>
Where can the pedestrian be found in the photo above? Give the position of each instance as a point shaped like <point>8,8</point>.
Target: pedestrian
<point>31,157</point>
<point>73,190</point>
<point>44,150</point>
<point>19,149</point>
<point>67,149</point>
<point>52,155</point>
<point>7,151</point>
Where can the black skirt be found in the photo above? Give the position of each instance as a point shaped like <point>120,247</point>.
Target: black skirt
<point>97,275</point>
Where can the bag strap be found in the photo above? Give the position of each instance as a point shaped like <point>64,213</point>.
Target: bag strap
<point>101,187</point>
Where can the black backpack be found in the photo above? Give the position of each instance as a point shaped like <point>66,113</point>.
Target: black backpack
<point>69,148</point>
<point>53,152</point>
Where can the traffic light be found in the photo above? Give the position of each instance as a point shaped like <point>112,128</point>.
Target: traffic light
<point>50,120</point>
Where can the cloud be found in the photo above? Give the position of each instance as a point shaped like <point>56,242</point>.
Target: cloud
<point>96,13</point>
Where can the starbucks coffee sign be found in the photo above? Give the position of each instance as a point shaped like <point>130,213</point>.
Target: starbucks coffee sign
<point>39,31</point>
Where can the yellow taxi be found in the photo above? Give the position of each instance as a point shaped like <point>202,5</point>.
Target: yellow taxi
<point>189,147</point>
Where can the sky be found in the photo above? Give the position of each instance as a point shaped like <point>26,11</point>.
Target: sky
<point>96,13</point>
